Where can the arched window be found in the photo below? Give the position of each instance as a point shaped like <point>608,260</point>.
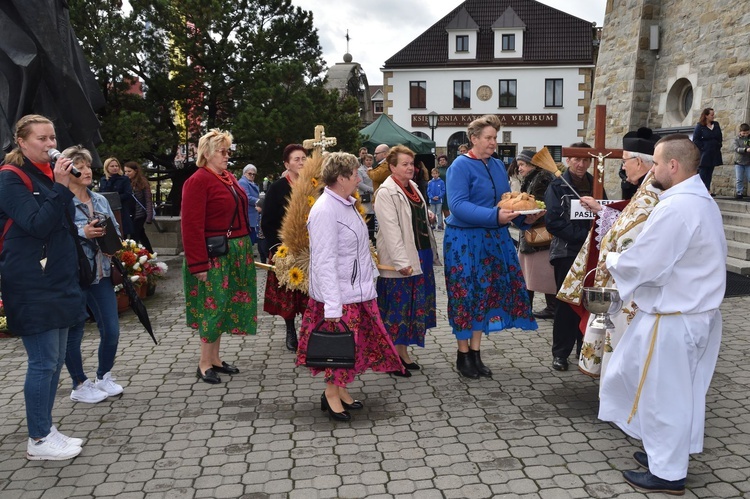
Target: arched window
<point>454,141</point>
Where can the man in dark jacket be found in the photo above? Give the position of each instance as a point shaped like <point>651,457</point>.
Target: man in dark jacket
<point>569,236</point>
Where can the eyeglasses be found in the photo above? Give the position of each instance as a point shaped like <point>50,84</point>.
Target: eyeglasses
<point>224,152</point>
<point>622,163</point>
<point>251,173</point>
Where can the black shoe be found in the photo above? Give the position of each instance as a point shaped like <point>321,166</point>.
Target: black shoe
<point>355,405</point>
<point>401,374</point>
<point>645,481</point>
<point>545,314</point>
<point>336,416</point>
<point>209,377</point>
<point>291,338</point>
<point>738,196</point>
<point>413,366</point>
<point>225,368</point>
<point>478,364</point>
<point>465,366</point>
<point>560,364</point>
<point>641,458</point>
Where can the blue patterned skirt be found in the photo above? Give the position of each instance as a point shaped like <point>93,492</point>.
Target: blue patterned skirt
<point>486,288</point>
<point>407,305</point>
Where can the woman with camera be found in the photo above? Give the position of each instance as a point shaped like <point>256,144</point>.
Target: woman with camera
<point>341,285</point>
<point>93,219</point>
<point>40,284</point>
<point>219,272</point>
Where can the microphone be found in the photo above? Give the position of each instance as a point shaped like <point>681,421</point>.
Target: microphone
<point>54,154</point>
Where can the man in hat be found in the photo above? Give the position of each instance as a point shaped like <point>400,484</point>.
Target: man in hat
<point>617,227</point>
<point>656,383</point>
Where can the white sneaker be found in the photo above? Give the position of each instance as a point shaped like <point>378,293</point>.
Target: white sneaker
<point>88,393</point>
<point>107,384</point>
<point>53,433</point>
<point>50,449</point>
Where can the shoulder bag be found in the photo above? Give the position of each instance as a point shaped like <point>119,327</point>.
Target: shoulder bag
<point>219,245</point>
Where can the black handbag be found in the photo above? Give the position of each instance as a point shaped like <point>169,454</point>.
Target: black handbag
<point>217,245</point>
<point>334,349</point>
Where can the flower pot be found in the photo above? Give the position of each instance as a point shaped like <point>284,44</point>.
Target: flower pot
<point>122,302</point>
<point>151,289</point>
<point>141,291</point>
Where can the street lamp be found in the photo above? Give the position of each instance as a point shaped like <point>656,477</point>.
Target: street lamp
<point>432,122</point>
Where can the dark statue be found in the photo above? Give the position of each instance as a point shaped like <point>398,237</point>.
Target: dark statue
<point>43,71</point>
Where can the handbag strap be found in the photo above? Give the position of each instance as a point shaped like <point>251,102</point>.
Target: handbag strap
<point>323,321</point>
<point>236,208</point>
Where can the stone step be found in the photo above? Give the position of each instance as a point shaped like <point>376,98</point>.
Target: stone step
<point>738,250</point>
<point>737,233</point>
<point>736,218</point>
<point>737,266</point>
<point>734,206</point>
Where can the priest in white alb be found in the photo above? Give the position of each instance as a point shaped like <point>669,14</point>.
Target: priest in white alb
<point>655,386</point>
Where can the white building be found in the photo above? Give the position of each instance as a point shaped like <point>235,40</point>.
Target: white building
<point>530,64</point>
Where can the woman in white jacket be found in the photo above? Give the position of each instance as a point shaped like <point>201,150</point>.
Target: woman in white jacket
<point>406,295</point>
<point>341,284</point>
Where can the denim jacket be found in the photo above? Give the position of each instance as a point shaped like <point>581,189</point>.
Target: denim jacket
<point>101,205</point>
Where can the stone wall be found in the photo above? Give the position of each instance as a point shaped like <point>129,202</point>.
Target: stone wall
<point>703,42</point>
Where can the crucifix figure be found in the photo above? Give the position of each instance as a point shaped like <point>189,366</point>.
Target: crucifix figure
<point>599,151</point>
<point>320,142</point>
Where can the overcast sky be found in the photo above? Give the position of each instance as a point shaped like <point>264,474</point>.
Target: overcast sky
<point>380,28</point>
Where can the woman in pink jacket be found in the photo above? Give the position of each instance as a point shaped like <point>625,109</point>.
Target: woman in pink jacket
<point>341,285</point>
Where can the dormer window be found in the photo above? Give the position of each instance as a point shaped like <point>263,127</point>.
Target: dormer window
<point>462,36</point>
<point>509,29</point>
<point>509,42</point>
<point>462,43</point>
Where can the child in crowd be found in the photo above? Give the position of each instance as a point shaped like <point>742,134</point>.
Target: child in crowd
<point>742,160</point>
<point>435,194</point>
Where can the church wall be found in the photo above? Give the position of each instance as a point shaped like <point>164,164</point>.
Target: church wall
<point>702,43</point>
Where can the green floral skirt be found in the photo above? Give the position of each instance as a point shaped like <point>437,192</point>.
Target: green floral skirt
<point>227,301</point>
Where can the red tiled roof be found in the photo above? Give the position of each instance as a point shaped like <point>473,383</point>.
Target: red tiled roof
<point>551,37</point>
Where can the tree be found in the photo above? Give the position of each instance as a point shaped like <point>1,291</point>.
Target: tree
<point>252,67</point>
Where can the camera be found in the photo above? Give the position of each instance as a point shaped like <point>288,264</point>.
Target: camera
<point>101,221</point>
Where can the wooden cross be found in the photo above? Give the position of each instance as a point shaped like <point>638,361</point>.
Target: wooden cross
<point>320,142</point>
<point>599,152</point>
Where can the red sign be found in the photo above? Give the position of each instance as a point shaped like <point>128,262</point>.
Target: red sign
<point>463,120</point>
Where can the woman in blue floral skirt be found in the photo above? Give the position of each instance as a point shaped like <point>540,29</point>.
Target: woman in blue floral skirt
<point>406,294</point>
<point>486,289</point>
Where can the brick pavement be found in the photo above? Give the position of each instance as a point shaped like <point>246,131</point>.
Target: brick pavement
<point>528,432</point>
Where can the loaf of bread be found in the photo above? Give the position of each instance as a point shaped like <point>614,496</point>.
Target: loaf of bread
<point>517,201</point>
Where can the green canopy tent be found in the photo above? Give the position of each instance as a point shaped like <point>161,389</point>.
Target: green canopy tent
<point>384,131</point>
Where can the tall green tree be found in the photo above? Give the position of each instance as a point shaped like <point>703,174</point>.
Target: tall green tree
<point>252,67</point>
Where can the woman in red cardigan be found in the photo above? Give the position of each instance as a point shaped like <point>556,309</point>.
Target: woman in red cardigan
<point>220,290</point>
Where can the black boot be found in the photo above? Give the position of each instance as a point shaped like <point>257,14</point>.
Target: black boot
<point>478,364</point>
<point>291,336</point>
<point>465,366</point>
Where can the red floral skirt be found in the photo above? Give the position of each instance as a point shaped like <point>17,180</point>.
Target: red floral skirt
<point>281,301</point>
<point>374,348</point>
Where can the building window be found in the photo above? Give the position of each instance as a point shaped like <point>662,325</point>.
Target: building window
<point>555,152</point>
<point>507,93</point>
<point>509,42</point>
<point>462,94</point>
<point>455,140</point>
<point>418,94</point>
<point>553,92</point>
<point>462,43</point>
<point>378,106</point>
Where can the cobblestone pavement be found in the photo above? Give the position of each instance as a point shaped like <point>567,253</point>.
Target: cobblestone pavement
<point>528,432</point>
